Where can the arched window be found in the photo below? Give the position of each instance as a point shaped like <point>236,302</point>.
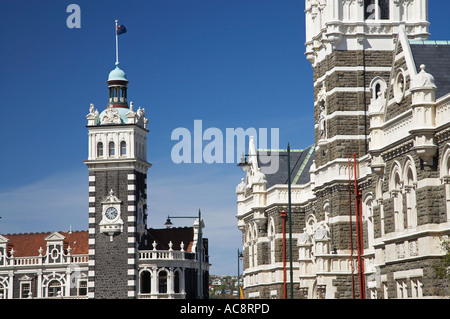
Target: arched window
<point>145,282</point>
<point>410,194</point>
<point>368,217</point>
<point>100,149</point>
<point>376,9</point>
<point>123,148</point>
<point>311,225</point>
<point>54,288</point>
<point>396,192</point>
<point>271,234</point>
<point>378,85</point>
<point>111,149</point>
<point>176,284</point>
<point>445,177</point>
<point>162,282</point>
<point>2,291</point>
<point>379,200</point>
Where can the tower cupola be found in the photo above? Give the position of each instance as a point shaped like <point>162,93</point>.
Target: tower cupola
<point>117,84</point>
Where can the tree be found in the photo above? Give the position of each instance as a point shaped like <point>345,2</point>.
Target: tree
<point>443,269</point>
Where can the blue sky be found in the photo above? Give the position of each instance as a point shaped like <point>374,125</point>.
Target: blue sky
<point>229,63</point>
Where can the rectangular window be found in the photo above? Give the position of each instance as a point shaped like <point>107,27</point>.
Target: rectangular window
<point>25,289</point>
<point>369,10</point>
<point>402,289</point>
<point>384,9</point>
<point>416,288</point>
<point>376,9</point>
<point>82,288</point>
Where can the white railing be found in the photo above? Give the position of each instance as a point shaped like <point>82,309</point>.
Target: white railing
<point>41,260</point>
<point>162,296</point>
<point>164,254</point>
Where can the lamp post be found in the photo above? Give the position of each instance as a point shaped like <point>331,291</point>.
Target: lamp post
<point>168,224</point>
<point>244,163</point>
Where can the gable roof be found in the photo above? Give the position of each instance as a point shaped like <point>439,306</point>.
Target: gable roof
<point>300,161</point>
<point>436,56</point>
<point>28,244</point>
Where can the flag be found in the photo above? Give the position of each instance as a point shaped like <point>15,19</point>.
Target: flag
<point>121,29</point>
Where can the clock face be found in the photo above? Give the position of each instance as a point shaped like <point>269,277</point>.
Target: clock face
<point>111,213</point>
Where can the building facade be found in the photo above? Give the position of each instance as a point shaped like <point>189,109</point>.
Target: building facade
<point>118,257</point>
<point>369,220</point>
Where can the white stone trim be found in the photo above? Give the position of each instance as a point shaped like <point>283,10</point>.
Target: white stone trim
<point>91,178</point>
<point>406,274</point>
<point>429,182</point>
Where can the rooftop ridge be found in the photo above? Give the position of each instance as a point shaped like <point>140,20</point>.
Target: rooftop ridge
<point>45,232</point>
<point>428,42</point>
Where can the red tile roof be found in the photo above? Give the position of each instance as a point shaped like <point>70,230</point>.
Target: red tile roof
<point>28,244</point>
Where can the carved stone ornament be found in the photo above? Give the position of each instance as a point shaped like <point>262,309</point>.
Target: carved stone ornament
<point>111,116</point>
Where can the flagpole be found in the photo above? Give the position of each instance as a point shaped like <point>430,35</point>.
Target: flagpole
<point>117,45</point>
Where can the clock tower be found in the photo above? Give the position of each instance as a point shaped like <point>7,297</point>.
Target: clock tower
<point>117,164</point>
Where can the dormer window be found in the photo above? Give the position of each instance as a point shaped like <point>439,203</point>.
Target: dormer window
<point>376,9</point>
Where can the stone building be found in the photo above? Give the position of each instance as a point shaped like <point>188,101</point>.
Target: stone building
<point>118,257</point>
<point>380,163</point>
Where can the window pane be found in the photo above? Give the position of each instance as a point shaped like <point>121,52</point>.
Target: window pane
<point>53,288</point>
<point>369,10</point>
<point>384,9</point>
<point>123,148</point>
<point>162,282</point>
<point>82,290</point>
<point>111,149</point>
<point>25,290</point>
<point>99,149</point>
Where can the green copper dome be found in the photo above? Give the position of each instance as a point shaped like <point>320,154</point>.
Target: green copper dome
<point>117,74</point>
